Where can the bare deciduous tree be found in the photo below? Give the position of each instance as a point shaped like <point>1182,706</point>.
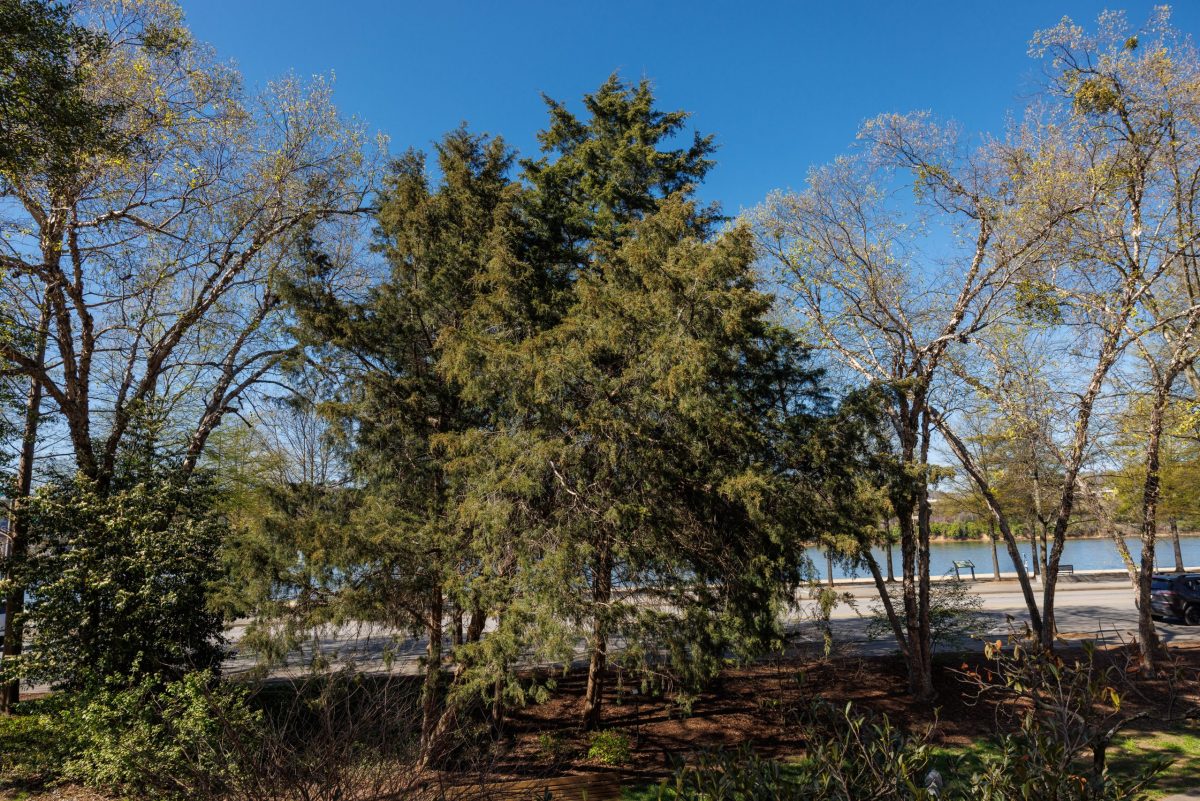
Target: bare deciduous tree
<point>154,250</point>
<point>889,290</point>
<point>157,263</point>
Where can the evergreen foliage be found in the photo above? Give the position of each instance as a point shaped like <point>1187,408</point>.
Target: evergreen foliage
<point>389,548</point>
<point>118,585</point>
<point>647,427</point>
<point>48,122</point>
<point>568,412</point>
<point>597,177</point>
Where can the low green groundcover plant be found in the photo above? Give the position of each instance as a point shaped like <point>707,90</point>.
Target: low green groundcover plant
<point>611,747</point>
<point>854,756</point>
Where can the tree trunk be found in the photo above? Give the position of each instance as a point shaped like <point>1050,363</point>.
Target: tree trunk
<point>829,566</point>
<point>1066,504</point>
<point>1000,518</point>
<point>1131,567</point>
<point>18,533</point>
<point>498,703</point>
<point>440,737</point>
<point>1151,645</point>
<point>1042,548</point>
<point>924,644</point>
<point>1033,553</point>
<point>1179,566</point>
<point>433,669</point>
<point>911,504</point>
<point>497,710</point>
<point>476,623</point>
<point>995,556</point>
<point>456,636</point>
<point>915,588</point>
<point>1038,521</point>
<point>598,662</point>
<point>887,544</point>
<point>886,599</point>
<point>919,679</point>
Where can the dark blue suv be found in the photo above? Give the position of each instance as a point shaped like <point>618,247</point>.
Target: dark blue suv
<point>1176,596</point>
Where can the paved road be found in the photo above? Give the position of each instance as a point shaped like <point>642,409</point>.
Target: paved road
<point>1089,607</point>
<point>1086,608</point>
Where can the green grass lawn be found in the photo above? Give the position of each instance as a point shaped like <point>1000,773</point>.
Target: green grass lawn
<point>1180,744</point>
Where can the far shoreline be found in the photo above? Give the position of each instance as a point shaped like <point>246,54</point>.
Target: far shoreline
<point>1162,536</point>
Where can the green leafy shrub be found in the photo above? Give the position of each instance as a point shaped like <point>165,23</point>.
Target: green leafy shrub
<point>612,747</point>
<point>553,746</point>
<point>852,755</point>
<point>730,776</point>
<point>181,740</point>
<point>1056,750</point>
<point>119,583</point>
<point>175,741</point>
<point>1066,714</point>
<point>34,743</point>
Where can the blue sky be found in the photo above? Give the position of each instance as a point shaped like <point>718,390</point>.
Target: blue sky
<point>783,86</point>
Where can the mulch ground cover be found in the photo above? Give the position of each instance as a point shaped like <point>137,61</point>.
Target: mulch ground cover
<point>755,707</point>
<point>543,747</point>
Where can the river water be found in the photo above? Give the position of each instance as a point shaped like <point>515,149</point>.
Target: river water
<point>1084,554</point>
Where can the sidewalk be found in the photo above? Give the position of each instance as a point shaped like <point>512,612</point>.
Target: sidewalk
<point>984,582</point>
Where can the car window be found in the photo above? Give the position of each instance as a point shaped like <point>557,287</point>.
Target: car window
<point>1160,584</point>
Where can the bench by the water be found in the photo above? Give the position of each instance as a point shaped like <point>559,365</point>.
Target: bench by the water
<point>963,564</point>
<point>1068,569</point>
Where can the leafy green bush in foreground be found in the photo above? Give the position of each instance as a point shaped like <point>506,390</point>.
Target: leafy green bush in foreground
<point>165,742</point>
<point>149,741</point>
<point>34,744</point>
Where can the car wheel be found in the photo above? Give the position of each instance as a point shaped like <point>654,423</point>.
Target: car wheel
<point>1191,615</point>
